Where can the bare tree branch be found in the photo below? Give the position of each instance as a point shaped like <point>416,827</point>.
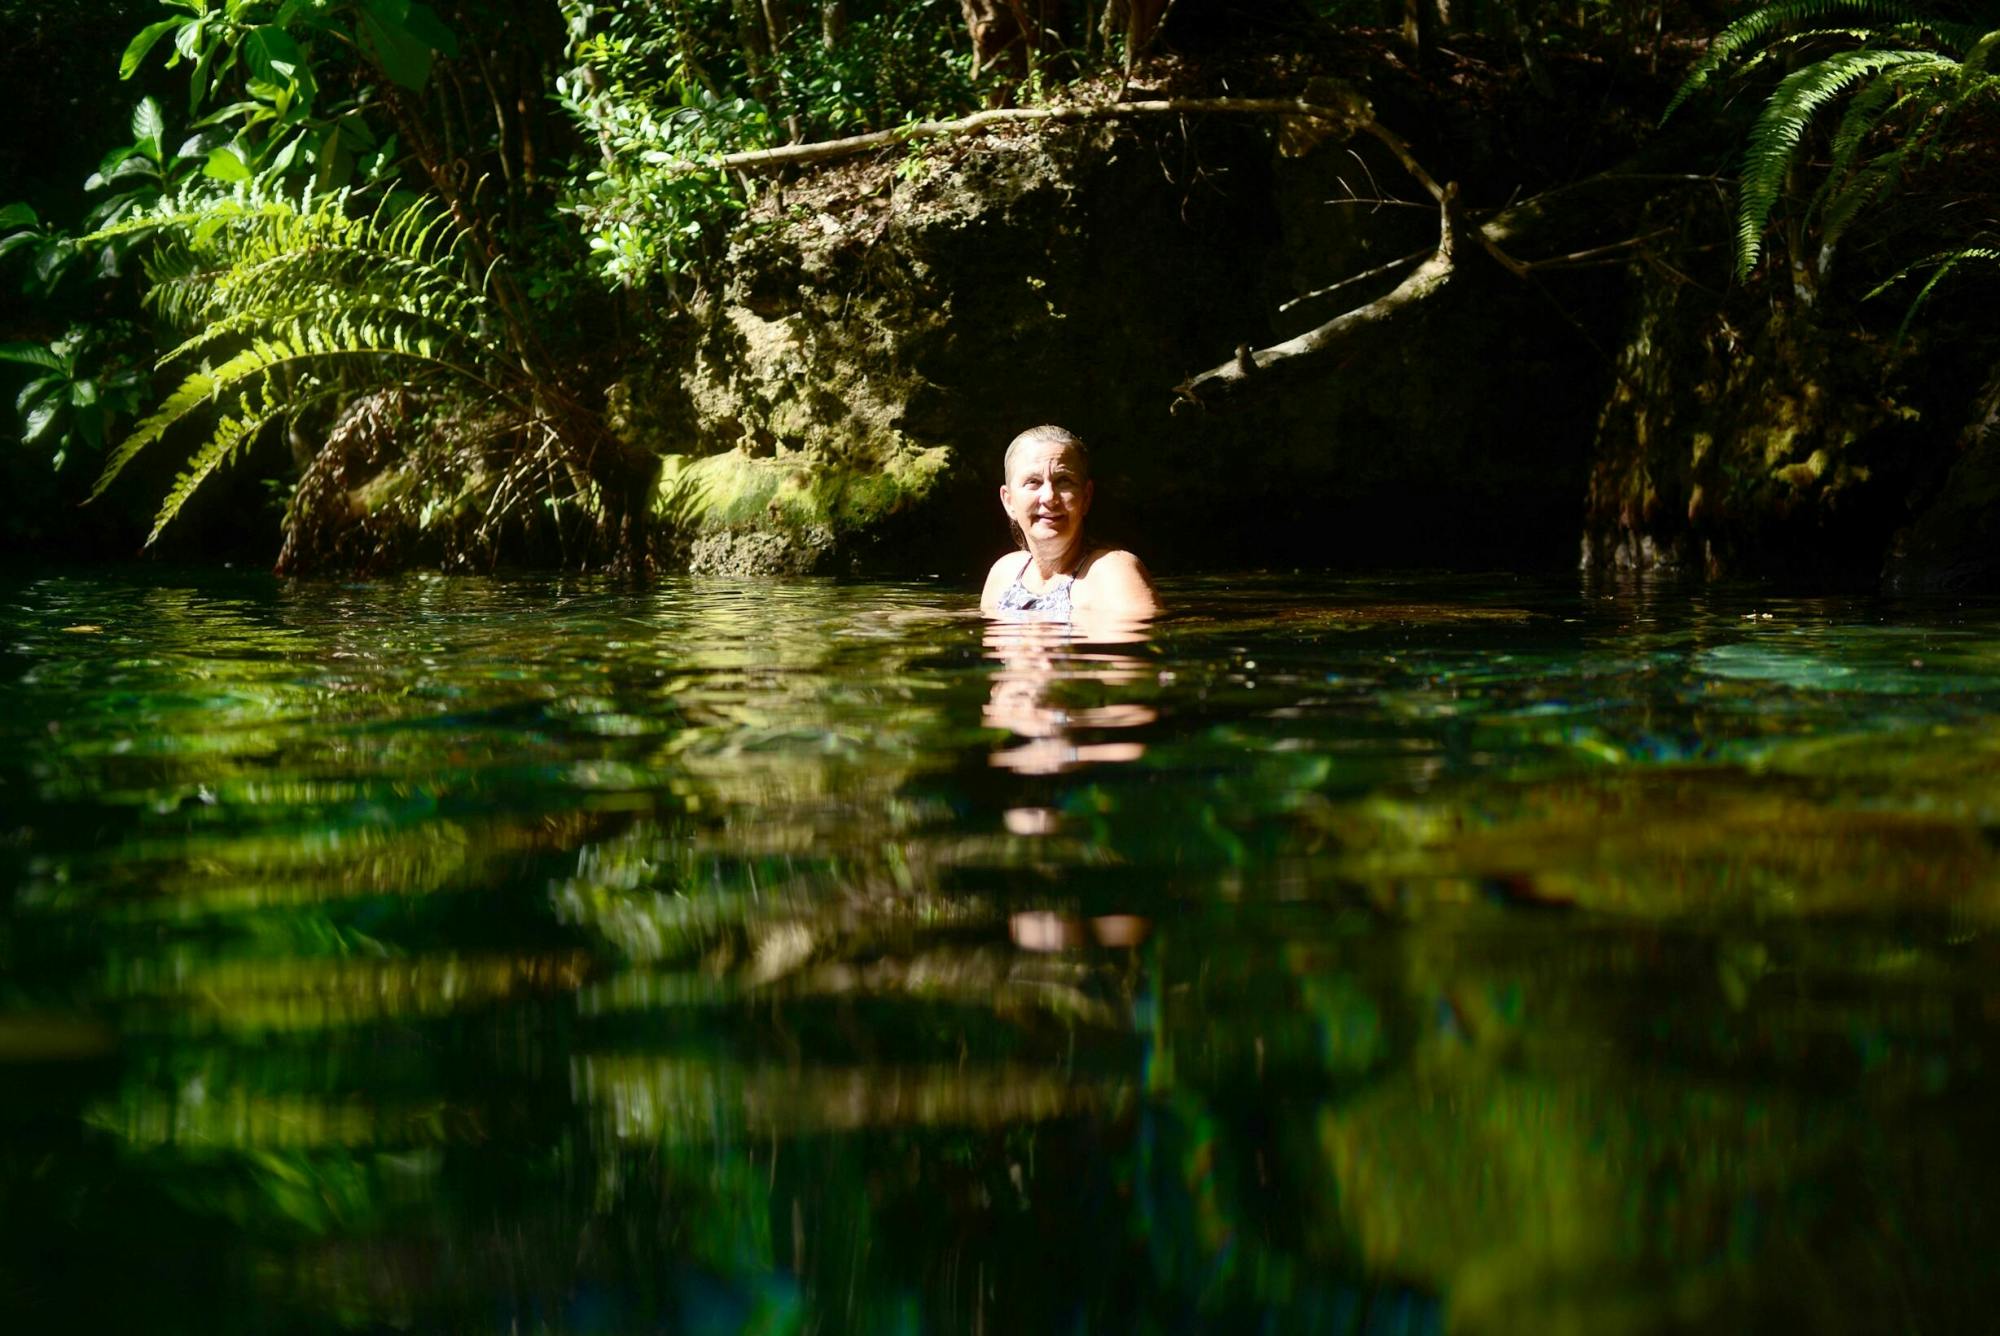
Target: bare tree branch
<point>1354,114</point>
<point>1424,282</point>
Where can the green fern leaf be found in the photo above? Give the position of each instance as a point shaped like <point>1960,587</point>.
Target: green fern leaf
<point>231,435</point>
<point>1944,263</point>
<point>197,389</point>
<point>1781,126</point>
<point>1760,25</point>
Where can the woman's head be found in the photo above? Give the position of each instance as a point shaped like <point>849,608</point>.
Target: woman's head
<point>1048,488</point>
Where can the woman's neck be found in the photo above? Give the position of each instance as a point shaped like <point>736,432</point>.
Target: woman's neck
<point>1056,561</point>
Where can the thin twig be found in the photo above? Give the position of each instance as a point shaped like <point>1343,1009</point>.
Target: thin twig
<point>1362,277</point>
<point>1595,252</point>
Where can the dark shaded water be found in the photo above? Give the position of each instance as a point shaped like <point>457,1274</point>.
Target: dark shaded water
<point>1350,956</point>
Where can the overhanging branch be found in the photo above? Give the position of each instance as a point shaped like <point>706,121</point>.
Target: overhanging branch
<point>1423,283</point>
<point>1352,113</point>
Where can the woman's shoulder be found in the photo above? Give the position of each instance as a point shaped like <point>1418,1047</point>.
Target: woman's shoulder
<point>1114,561</point>
<point>1116,579</point>
<point>999,577</point>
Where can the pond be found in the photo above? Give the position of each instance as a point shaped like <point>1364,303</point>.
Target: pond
<point>1376,955</point>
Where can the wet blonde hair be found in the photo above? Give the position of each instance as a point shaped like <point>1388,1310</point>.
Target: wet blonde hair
<point>1046,434</point>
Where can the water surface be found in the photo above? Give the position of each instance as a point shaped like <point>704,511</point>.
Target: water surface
<point>1372,955</point>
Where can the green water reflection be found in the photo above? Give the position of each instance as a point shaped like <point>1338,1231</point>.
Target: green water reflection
<point>1347,956</point>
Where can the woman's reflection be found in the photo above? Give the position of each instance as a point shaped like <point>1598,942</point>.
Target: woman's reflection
<point>1037,660</point>
<point>1034,658</point>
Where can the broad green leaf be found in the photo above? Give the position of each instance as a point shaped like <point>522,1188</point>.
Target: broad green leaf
<point>35,391</point>
<point>41,419</point>
<point>428,28</point>
<point>403,56</point>
<point>133,166</point>
<point>137,50</point>
<point>88,422</point>
<point>18,214</point>
<point>282,160</point>
<point>148,121</point>
<point>221,114</point>
<point>333,162</point>
<point>82,393</point>
<point>272,55</point>
<point>199,145</point>
<point>188,41</point>
<point>51,260</point>
<point>226,164</point>
<point>30,354</point>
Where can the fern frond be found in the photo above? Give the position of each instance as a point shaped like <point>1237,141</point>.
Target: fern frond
<point>1945,262</point>
<point>1859,191</point>
<point>195,390</point>
<point>261,356</point>
<point>1780,127</point>
<point>443,318</point>
<point>1758,26</point>
<point>1979,54</point>
<point>232,433</point>
<point>1863,114</point>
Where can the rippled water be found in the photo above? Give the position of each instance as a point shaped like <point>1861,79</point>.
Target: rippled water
<point>1370,955</point>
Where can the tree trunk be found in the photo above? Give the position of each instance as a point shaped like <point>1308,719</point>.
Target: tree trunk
<point>1419,30</point>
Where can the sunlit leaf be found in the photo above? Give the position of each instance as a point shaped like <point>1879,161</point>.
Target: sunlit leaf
<point>148,121</point>
<point>137,50</point>
<point>225,164</point>
<point>271,54</point>
<point>40,420</point>
<point>30,354</point>
<point>34,392</point>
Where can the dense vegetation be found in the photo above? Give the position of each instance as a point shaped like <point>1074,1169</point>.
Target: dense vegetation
<point>391,253</point>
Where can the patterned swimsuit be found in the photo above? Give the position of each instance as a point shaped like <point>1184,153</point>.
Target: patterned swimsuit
<point>1052,604</point>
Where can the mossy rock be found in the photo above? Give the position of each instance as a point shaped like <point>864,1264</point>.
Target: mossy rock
<point>738,515</point>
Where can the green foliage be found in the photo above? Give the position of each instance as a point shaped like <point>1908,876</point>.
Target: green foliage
<point>1940,267</point>
<point>264,66</point>
<point>660,88</point>
<point>294,303</point>
<point>1905,75</point>
<point>1781,127</point>
<point>275,108</point>
<point>1752,33</point>
<point>133,178</point>
<point>83,383</point>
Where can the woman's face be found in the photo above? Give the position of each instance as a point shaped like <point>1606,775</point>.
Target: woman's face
<point>1047,494</point>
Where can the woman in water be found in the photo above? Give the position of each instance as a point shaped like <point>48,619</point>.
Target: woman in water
<point>1062,577</point>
